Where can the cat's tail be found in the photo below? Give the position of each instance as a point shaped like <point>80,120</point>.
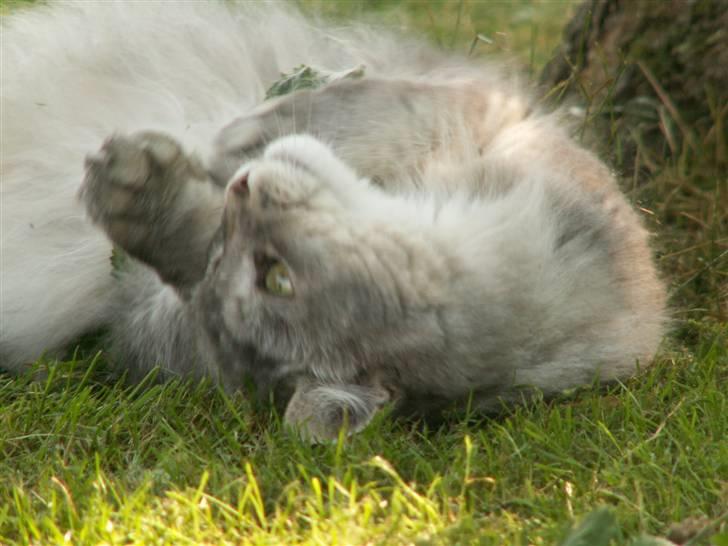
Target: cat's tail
<point>55,281</point>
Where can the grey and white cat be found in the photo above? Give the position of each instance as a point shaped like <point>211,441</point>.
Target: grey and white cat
<point>421,236</point>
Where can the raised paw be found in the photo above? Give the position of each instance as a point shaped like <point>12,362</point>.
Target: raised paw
<point>154,201</point>
<point>132,183</point>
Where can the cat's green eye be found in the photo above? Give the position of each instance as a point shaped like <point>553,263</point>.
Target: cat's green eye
<point>278,280</point>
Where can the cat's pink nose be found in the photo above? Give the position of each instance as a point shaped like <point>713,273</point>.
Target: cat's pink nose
<point>240,185</point>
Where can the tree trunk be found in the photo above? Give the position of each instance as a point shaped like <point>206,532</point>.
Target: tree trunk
<point>653,75</point>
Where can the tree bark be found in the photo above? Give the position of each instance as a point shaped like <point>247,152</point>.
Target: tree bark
<point>651,74</point>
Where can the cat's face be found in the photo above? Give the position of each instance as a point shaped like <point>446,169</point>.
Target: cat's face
<point>290,278</point>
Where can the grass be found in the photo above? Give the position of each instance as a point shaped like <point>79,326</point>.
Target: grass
<point>180,463</point>
<point>527,30</point>
<point>87,461</point>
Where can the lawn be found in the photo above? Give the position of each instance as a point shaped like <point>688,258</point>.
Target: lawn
<point>86,460</point>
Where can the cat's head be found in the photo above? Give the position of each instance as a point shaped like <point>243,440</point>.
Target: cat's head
<point>295,276</point>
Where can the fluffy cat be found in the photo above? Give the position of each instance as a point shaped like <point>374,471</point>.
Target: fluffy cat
<point>420,236</point>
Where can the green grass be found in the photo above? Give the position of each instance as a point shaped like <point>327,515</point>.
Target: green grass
<point>527,30</point>
<point>84,460</point>
<point>7,5</point>
<point>180,463</point>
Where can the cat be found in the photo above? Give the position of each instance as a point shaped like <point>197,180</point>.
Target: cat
<point>422,236</point>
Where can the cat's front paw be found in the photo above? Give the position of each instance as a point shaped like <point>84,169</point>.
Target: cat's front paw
<point>319,412</point>
<point>155,202</point>
<point>132,183</point>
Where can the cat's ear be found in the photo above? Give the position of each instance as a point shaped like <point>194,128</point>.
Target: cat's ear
<point>319,411</point>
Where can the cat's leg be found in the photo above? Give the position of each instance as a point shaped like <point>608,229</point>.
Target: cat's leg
<point>319,411</point>
<point>385,129</point>
<point>379,127</point>
<point>156,203</point>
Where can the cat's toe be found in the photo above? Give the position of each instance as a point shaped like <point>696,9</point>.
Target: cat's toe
<point>130,161</point>
<point>110,184</point>
<point>161,149</point>
<point>123,161</point>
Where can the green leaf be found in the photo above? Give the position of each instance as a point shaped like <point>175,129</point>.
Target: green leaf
<point>118,261</point>
<point>305,77</point>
